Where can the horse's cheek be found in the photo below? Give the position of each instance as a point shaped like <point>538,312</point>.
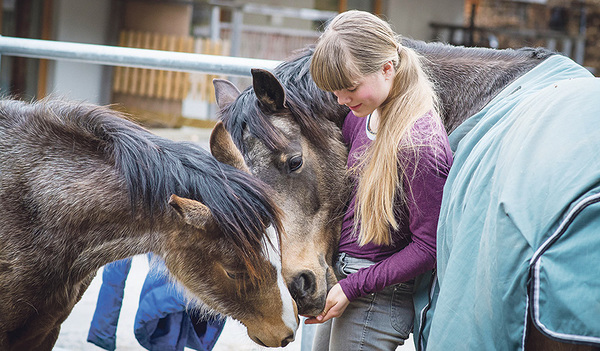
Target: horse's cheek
<point>184,248</point>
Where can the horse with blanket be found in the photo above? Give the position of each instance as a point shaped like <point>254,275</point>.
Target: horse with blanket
<point>516,243</point>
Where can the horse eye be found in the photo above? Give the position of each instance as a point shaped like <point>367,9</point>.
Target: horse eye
<point>236,275</point>
<point>294,163</point>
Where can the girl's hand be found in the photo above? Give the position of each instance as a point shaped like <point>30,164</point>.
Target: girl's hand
<point>335,305</point>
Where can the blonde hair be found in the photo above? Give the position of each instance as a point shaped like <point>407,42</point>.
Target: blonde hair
<point>356,44</point>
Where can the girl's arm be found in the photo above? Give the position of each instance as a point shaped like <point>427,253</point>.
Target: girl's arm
<point>424,201</point>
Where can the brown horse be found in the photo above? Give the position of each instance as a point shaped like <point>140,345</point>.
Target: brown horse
<point>289,134</point>
<point>308,181</point>
<point>82,187</point>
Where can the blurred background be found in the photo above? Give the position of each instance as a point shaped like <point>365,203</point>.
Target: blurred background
<point>269,29</point>
<point>181,105</point>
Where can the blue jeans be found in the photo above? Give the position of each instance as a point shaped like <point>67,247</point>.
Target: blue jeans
<point>378,321</point>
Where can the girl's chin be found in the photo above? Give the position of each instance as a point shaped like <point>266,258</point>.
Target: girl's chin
<point>360,114</point>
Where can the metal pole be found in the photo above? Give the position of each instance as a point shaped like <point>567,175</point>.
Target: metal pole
<point>132,57</point>
<point>215,23</point>
<point>237,22</point>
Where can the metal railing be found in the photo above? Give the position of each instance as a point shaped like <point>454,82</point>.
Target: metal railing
<point>132,57</point>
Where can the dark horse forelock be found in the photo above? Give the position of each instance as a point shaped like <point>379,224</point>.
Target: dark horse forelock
<point>307,104</point>
<point>240,204</point>
<point>244,114</point>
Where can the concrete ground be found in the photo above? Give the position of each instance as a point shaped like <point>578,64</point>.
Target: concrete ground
<point>75,329</point>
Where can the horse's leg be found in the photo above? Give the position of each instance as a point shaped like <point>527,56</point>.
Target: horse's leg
<point>536,341</point>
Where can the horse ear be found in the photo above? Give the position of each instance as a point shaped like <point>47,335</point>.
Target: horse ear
<point>225,92</point>
<point>193,212</point>
<point>224,150</point>
<point>268,89</point>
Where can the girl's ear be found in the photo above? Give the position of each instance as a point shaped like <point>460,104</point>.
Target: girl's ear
<point>388,70</point>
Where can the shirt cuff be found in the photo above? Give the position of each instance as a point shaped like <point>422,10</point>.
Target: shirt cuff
<point>349,291</point>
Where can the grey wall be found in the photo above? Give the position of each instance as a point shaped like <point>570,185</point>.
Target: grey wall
<point>84,22</point>
<point>411,18</point>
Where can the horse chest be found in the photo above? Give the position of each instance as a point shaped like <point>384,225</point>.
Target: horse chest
<point>36,315</point>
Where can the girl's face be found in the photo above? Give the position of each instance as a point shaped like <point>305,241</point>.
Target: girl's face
<point>368,93</point>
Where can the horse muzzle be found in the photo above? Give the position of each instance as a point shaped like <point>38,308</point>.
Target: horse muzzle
<point>273,336</point>
<point>310,296</point>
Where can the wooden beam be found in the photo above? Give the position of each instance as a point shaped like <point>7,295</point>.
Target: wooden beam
<point>378,7</point>
<point>45,35</point>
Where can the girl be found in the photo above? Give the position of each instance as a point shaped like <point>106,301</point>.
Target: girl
<point>399,160</point>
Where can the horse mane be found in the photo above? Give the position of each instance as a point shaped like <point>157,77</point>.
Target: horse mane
<point>310,106</point>
<point>467,78</point>
<point>153,168</point>
<point>453,52</point>
<point>306,101</point>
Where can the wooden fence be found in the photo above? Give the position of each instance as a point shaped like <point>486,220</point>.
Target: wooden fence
<point>166,84</point>
<point>157,96</point>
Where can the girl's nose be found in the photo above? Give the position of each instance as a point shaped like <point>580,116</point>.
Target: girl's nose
<point>341,97</point>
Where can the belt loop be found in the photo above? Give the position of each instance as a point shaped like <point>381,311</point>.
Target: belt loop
<point>340,264</point>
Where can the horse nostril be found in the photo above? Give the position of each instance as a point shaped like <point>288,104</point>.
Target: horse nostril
<point>287,340</point>
<point>303,285</point>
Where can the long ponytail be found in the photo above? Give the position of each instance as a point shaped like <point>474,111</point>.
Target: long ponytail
<point>383,167</point>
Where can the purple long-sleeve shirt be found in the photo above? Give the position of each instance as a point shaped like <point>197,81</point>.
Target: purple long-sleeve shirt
<point>414,243</point>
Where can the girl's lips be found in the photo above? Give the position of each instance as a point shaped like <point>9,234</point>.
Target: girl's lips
<point>355,107</point>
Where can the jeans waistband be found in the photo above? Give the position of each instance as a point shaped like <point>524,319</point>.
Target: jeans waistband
<point>346,264</point>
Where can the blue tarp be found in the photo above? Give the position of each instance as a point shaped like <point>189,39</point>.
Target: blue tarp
<point>521,201</point>
<point>163,321</point>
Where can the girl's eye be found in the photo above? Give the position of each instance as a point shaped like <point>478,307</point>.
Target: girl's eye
<point>353,89</point>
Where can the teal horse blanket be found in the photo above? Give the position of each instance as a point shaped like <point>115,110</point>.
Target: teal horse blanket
<point>519,229</point>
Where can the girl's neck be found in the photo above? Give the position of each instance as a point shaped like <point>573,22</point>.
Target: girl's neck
<point>373,121</point>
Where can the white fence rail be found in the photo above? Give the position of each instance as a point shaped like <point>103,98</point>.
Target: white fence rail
<point>132,57</point>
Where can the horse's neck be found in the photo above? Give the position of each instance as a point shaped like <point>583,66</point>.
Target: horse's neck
<point>466,79</point>
<point>129,239</point>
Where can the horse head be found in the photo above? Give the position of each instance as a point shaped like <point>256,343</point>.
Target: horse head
<point>304,162</point>
<point>252,292</point>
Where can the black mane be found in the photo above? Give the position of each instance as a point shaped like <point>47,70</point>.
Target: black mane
<point>467,78</point>
<point>453,52</point>
<point>451,68</point>
<point>309,105</point>
<point>154,167</point>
